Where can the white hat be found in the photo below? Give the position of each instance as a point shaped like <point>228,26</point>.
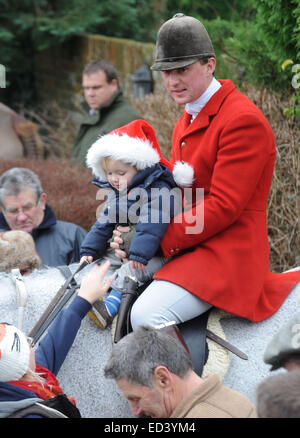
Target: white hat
<point>14,353</point>
<point>134,144</point>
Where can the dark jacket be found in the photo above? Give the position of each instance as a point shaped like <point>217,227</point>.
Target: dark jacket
<point>50,354</point>
<point>151,210</point>
<point>116,113</point>
<point>57,242</point>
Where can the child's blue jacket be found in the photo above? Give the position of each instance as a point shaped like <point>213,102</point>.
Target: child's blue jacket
<point>150,202</point>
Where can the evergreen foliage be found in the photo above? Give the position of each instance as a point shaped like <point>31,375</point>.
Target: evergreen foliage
<point>264,43</point>
<point>252,38</point>
<point>224,9</point>
<point>30,25</point>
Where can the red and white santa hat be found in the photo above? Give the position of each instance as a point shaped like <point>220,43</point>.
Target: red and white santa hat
<point>134,144</point>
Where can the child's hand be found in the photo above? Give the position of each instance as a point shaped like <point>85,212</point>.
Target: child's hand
<point>92,287</point>
<point>137,265</point>
<point>88,258</point>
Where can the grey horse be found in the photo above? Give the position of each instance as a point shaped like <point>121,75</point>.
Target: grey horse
<point>81,375</point>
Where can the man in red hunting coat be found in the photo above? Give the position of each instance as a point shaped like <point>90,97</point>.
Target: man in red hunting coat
<point>224,145</point>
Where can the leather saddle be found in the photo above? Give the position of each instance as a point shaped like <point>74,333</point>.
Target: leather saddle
<point>192,333</point>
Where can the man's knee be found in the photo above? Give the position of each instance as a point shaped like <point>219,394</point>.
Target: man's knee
<point>138,316</point>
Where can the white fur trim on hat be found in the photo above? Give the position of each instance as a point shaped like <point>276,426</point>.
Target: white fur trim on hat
<point>14,353</point>
<point>130,150</point>
<point>183,174</point>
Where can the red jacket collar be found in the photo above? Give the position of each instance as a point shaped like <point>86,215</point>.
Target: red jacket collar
<point>210,109</point>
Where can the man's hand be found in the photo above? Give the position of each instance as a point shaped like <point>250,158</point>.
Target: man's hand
<point>137,265</point>
<point>117,240</point>
<point>92,287</point>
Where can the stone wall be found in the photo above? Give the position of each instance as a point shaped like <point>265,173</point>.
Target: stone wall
<point>58,69</point>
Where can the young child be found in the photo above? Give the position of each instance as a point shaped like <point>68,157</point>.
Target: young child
<point>128,161</point>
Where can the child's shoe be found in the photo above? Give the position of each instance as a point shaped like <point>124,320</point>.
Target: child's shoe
<point>100,315</point>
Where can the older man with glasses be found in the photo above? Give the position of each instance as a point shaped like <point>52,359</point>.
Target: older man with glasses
<point>24,207</point>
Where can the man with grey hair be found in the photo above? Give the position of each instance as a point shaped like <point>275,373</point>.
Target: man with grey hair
<point>154,372</point>
<point>24,207</point>
<point>278,396</point>
<point>106,107</point>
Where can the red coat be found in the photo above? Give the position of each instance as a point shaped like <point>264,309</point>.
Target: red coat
<point>231,147</point>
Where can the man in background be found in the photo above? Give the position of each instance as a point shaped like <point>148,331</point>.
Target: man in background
<point>107,109</point>
<point>278,396</point>
<point>24,207</point>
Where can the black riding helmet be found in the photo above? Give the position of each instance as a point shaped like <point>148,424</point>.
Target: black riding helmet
<point>181,41</point>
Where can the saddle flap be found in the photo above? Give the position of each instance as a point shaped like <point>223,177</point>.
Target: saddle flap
<point>194,335</point>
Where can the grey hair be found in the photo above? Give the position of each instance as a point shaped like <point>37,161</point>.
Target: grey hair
<point>15,180</point>
<point>136,356</point>
<point>100,64</point>
<point>278,396</point>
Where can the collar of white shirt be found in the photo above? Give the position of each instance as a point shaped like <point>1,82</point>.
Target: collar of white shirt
<point>194,108</point>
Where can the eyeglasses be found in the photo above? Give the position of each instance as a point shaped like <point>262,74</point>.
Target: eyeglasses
<point>26,209</point>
